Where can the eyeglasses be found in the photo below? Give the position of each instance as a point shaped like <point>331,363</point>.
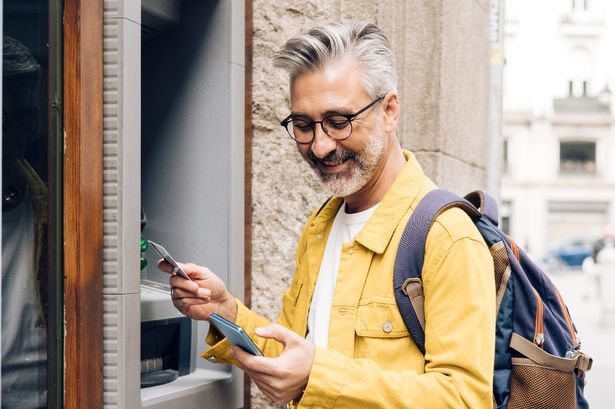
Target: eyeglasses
<point>337,126</point>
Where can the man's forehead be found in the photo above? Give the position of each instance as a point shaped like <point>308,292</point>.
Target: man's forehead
<point>337,85</point>
<point>336,73</point>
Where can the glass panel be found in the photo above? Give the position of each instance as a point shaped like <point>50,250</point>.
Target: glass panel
<point>577,158</point>
<point>31,221</point>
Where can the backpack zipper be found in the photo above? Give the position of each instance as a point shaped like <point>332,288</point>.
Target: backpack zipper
<point>515,249</point>
<point>567,316</point>
<point>539,334</point>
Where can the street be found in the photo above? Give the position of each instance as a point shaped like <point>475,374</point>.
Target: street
<point>585,300</point>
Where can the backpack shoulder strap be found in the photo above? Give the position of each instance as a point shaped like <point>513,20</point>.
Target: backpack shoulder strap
<point>407,273</point>
<point>486,204</point>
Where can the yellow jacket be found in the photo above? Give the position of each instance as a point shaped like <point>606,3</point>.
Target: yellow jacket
<point>371,361</point>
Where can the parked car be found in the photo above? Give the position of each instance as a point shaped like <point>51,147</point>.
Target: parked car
<point>570,253</point>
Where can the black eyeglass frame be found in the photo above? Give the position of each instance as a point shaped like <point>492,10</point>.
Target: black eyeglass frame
<point>349,117</point>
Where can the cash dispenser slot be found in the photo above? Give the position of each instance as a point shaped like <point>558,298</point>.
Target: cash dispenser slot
<point>165,350</point>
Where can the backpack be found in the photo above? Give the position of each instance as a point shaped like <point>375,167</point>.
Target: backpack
<point>538,362</point>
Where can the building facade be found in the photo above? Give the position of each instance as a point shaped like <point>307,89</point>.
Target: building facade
<point>558,184</point>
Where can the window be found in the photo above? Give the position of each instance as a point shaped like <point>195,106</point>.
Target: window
<point>577,158</point>
<point>31,298</point>
<point>505,156</point>
<point>578,88</point>
<point>579,5</point>
<point>505,216</point>
<point>573,221</point>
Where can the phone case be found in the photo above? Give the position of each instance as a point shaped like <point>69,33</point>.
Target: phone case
<point>235,334</point>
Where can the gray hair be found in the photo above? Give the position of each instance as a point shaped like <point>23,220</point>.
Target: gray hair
<point>322,45</point>
<point>20,72</point>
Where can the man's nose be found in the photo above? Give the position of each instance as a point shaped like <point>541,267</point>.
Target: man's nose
<point>323,144</point>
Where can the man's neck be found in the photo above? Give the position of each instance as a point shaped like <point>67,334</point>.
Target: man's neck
<point>374,190</point>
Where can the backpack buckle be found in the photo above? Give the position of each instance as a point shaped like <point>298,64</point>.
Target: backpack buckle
<point>416,287</point>
<point>413,289</point>
<point>583,362</point>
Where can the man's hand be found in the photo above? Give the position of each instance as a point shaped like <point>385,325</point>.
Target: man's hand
<point>284,378</point>
<point>199,298</point>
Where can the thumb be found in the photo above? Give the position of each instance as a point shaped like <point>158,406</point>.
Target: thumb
<point>196,272</point>
<point>277,332</point>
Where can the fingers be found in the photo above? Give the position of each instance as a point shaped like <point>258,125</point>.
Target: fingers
<point>164,266</point>
<point>267,369</point>
<point>183,284</point>
<point>277,332</point>
<point>177,293</point>
<point>282,378</point>
<point>194,271</point>
<point>183,300</point>
<point>184,295</point>
<point>245,359</point>
<point>248,362</point>
<point>274,388</point>
<point>262,384</point>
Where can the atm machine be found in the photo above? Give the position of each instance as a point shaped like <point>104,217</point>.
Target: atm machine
<point>174,174</point>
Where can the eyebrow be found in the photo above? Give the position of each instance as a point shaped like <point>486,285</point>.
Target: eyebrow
<point>328,112</point>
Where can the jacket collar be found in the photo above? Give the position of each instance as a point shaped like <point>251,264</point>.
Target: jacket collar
<point>402,194</point>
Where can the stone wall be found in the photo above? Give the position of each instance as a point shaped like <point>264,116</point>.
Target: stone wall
<point>442,52</point>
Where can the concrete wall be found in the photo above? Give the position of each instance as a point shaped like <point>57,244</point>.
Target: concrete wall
<point>442,51</point>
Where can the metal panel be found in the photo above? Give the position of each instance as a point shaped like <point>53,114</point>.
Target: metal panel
<point>121,150</point>
<point>121,370</point>
<point>203,220</point>
<point>121,205</point>
<point>127,9</point>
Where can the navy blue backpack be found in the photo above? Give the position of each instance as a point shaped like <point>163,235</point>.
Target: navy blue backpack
<point>538,362</point>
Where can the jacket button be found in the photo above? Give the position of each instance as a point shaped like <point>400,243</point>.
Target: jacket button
<point>387,326</point>
<point>350,251</point>
<point>319,236</point>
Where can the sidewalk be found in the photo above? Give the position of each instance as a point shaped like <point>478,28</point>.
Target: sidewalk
<point>598,340</point>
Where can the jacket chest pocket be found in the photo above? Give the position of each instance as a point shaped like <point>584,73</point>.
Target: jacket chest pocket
<point>381,335</point>
<point>380,320</point>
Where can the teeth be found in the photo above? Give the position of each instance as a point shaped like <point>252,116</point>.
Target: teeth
<point>333,163</point>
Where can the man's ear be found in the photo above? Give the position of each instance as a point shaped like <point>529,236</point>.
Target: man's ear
<point>390,106</point>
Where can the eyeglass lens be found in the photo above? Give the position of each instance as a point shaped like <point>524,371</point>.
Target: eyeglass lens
<point>337,127</point>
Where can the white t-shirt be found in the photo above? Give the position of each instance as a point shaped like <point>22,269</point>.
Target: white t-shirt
<point>24,340</point>
<point>345,227</point>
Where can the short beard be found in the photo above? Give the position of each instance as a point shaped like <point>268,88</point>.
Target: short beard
<point>359,172</point>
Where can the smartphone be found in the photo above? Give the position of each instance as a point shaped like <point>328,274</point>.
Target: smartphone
<point>167,257</point>
<point>235,334</point>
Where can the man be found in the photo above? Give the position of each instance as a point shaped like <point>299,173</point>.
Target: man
<point>24,207</point>
<point>340,341</point>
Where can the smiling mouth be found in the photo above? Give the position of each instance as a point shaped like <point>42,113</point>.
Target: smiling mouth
<point>334,167</point>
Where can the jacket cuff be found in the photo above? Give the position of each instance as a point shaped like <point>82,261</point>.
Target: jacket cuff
<point>326,379</point>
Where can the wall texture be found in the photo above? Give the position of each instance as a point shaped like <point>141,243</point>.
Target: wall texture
<point>442,51</point>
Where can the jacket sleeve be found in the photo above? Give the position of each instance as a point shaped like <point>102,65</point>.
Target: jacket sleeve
<point>220,350</point>
<point>460,338</point>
